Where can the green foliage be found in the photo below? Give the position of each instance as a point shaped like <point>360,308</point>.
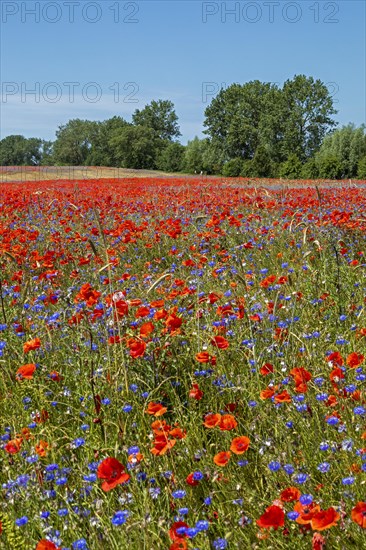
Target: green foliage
<point>136,147</point>
<point>11,533</point>
<point>17,150</point>
<point>170,159</point>
<point>195,158</point>
<point>307,108</point>
<point>348,144</point>
<point>361,170</point>
<point>291,120</point>
<point>238,118</point>
<point>310,169</point>
<point>261,165</point>
<point>330,167</point>
<point>159,116</point>
<point>291,168</point>
<point>232,168</point>
<point>101,152</point>
<point>73,142</point>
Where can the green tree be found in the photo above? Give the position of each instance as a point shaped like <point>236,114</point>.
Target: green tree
<point>348,144</point>
<point>170,158</point>
<point>261,165</point>
<point>232,168</point>
<point>16,150</point>
<point>73,142</point>
<point>101,153</point>
<point>291,168</point>
<point>240,118</point>
<point>330,167</point>
<point>307,107</point>
<point>159,116</point>
<point>310,169</point>
<point>136,147</point>
<point>194,160</point>
<point>361,171</point>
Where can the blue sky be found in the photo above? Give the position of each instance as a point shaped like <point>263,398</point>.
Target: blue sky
<point>94,60</point>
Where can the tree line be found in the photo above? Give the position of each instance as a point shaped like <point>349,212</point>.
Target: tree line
<point>256,129</point>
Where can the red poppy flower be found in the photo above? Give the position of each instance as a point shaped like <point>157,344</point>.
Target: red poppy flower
<point>13,446</point>
<point>42,448</point>
<point>212,420</point>
<point>324,519</point>
<point>156,409</point>
<point>179,544</point>
<point>306,513</point>
<point>26,372</point>
<point>358,514</point>
<point>113,472</point>
<point>300,375</point>
<point>195,392</point>
<point>354,359</point>
<point>191,481</point>
<point>31,345</point>
<point>221,459</point>
<point>203,357</point>
<point>227,422</point>
<point>136,347</point>
<point>45,544</point>
<point>290,494</point>
<point>162,445</point>
<point>220,342</point>
<point>240,444</point>
<point>318,542</point>
<point>273,517</point>
<point>283,397</point>
<point>265,369</point>
<point>335,358</point>
<point>146,329</point>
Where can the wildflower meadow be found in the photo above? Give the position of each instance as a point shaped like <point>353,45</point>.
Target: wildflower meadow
<point>182,364</point>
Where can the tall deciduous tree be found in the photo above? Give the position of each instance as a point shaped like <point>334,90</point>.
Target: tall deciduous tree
<point>16,150</point>
<point>307,109</point>
<point>136,147</point>
<point>241,117</point>
<point>159,116</point>
<point>73,142</point>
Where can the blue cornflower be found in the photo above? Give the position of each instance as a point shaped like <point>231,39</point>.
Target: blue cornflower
<point>219,544</point>
<point>324,467</point>
<point>120,517</point>
<point>180,493</point>
<point>202,525</point>
<point>80,544</point>
<point>348,480</point>
<point>301,478</point>
<point>78,442</point>
<point>274,466</point>
<point>306,499</point>
<point>19,522</point>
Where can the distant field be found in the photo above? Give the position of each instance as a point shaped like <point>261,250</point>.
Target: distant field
<point>10,174</point>
<point>37,173</point>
